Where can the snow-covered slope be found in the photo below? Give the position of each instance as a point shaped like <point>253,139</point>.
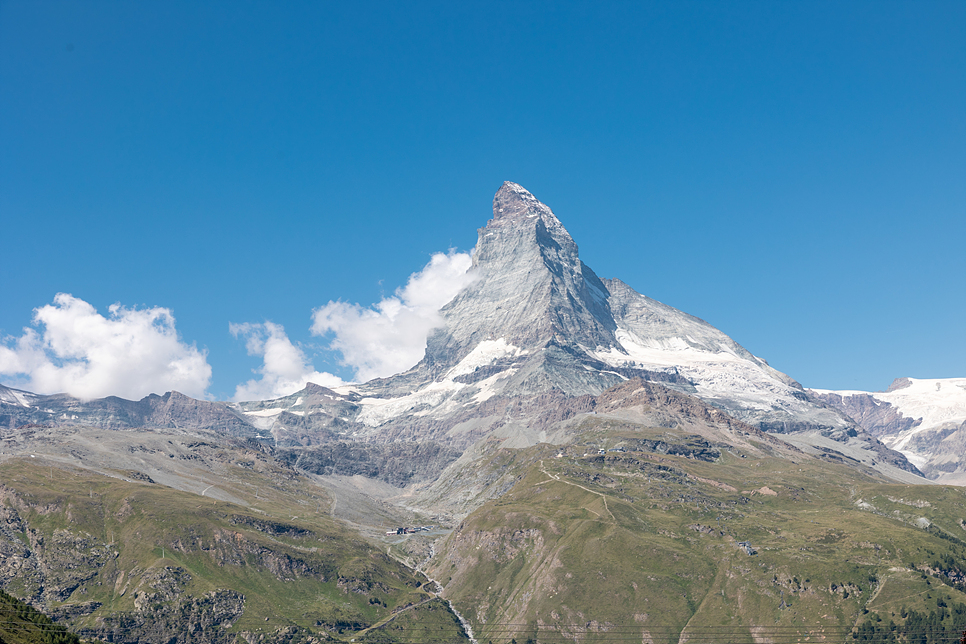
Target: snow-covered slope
<point>656,337</point>
<point>925,419</point>
<point>16,397</point>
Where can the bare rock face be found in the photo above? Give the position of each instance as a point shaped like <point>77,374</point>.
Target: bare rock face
<point>172,410</point>
<point>532,287</point>
<point>397,463</point>
<point>876,417</point>
<point>177,619</point>
<point>44,570</point>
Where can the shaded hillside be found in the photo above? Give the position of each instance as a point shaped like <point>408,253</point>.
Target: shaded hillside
<point>22,624</point>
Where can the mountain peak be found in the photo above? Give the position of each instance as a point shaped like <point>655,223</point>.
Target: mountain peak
<point>524,230</point>
<point>512,201</point>
<point>561,328</point>
<point>532,292</point>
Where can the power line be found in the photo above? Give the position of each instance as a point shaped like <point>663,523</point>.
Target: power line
<point>608,634</point>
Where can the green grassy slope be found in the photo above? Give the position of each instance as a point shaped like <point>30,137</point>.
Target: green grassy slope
<point>135,561</point>
<point>645,546</point>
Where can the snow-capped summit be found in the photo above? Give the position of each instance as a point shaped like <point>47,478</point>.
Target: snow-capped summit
<point>583,334</point>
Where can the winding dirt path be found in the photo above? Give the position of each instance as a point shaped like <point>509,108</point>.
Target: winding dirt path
<point>600,494</point>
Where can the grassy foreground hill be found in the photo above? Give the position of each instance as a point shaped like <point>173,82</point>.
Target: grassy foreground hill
<point>667,537</point>
<point>128,560</point>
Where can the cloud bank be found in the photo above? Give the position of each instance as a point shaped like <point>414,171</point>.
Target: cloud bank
<point>284,370</point>
<point>130,353</point>
<point>390,336</point>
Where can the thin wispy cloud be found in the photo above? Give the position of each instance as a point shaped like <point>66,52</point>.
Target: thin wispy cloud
<point>129,353</point>
<point>285,368</point>
<point>390,336</point>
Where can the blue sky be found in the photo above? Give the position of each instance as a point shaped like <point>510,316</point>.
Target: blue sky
<point>793,173</point>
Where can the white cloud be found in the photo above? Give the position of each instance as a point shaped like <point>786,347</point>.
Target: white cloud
<point>284,369</point>
<point>390,336</point>
<point>131,353</point>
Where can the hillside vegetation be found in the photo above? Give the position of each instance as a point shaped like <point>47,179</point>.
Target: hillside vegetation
<point>676,538</point>
<point>654,518</point>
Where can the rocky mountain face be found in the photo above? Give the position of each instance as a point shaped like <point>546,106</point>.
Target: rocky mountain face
<point>925,419</point>
<point>635,531</point>
<point>120,557</point>
<point>533,293</point>
<point>537,322</point>
<point>542,320</point>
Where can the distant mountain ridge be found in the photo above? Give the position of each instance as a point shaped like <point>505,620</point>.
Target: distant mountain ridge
<point>925,419</point>
<point>172,410</point>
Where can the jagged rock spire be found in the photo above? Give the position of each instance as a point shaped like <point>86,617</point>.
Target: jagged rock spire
<point>513,201</point>
<point>531,288</point>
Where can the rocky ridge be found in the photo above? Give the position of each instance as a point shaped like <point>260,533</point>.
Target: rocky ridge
<point>173,410</point>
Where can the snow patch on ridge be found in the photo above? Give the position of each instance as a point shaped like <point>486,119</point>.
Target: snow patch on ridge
<point>265,413</point>
<point>376,411</point>
<point>938,402</point>
<point>485,353</point>
<point>16,397</point>
<point>716,374</point>
<point>263,418</point>
<point>345,390</point>
<point>666,352</point>
<point>935,400</point>
<point>488,387</point>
